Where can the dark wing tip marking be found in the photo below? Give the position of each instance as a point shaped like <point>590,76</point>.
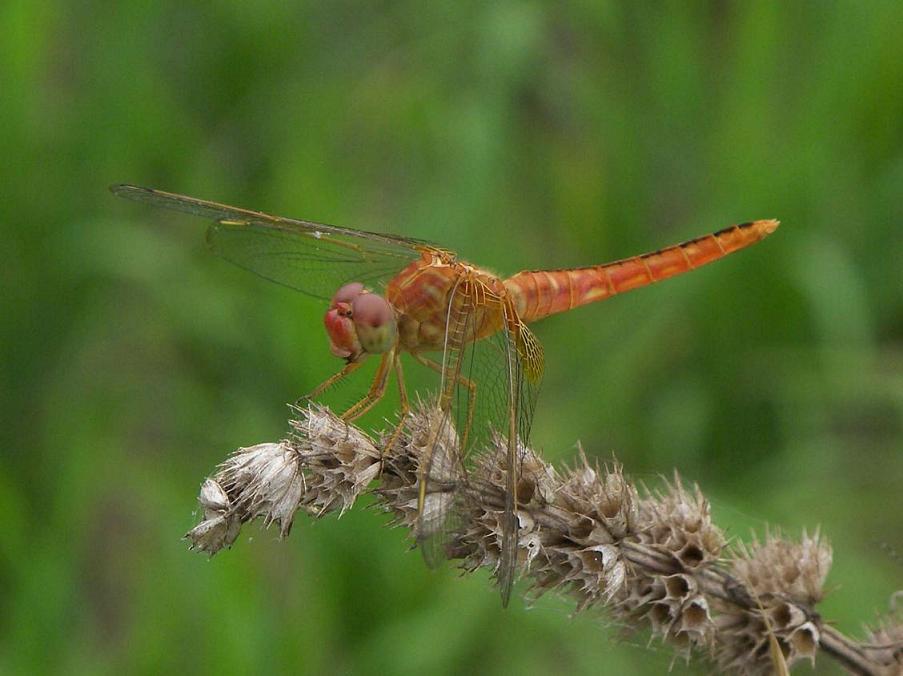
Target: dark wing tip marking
<point>126,189</point>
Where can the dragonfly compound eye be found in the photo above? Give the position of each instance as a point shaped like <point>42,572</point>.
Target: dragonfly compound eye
<point>374,320</point>
<point>347,293</point>
<point>342,336</point>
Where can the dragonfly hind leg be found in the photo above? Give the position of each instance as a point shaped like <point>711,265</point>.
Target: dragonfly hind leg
<point>403,409</point>
<point>471,395</point>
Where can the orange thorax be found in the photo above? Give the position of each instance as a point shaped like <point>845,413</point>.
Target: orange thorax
<point>432,292</point>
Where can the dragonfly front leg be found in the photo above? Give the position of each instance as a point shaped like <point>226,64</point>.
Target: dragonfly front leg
<point>377,388</point>
<point>348,369</point>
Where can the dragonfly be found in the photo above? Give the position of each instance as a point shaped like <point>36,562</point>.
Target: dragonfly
<point>388,295</point>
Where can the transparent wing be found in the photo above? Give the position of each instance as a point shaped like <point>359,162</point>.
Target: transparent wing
<point>298,259</point>
<point>524,368</point>
<point>441,476</point>
<point>489,389</point>
<point>443,472</point>
<point>313,258</point>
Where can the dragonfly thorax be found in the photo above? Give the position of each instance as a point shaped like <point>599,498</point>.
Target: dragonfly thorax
<point>359,322</point>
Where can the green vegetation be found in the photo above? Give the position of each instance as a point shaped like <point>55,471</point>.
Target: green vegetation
<point>523,135</point>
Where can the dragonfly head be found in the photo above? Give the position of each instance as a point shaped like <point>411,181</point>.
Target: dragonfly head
<point>359,323</point>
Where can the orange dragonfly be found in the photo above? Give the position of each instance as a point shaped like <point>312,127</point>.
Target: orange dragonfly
<point>388,295</point>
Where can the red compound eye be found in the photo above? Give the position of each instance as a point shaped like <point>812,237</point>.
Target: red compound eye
<point>359,322</point>
<point>343,340</point>
<point>374,321</point>
<point>347,293</point>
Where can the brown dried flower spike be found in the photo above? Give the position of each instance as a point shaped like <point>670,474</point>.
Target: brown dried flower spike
<point>653,559</point>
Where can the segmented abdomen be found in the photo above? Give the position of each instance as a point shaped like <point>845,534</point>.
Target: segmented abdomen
<point>541,293</point>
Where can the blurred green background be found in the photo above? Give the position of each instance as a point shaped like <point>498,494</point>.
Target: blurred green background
<point>520,134</point>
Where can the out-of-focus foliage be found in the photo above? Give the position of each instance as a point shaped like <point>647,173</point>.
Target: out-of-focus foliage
<point>521,134</point>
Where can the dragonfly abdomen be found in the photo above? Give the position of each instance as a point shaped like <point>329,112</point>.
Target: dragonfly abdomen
<point>540,293</point>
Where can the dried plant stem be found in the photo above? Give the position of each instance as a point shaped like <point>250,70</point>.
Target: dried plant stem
<point>651,558</point>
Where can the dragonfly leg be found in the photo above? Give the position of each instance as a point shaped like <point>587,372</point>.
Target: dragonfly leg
<point>348,369</point>
<point>377,389</point>
<point>402,391</point>
<point>471,395</point>
<point>403,410</point>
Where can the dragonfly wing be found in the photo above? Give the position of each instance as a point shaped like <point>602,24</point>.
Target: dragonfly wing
<point>443,472</point>
<point>440,479</point>
<point>488,390</point>
<point>315,265</point>
<point>313,258</point>
<point>523,360</point>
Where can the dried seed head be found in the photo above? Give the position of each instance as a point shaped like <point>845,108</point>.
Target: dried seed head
<point>676,522</point>
<point>680,522</point>
<point>653,561</point>
<point>324,466</point>
<point>263,480</point>
<point>339,460</point>
<point>784,578</point>
<point>795,570</point>
<point>604,496</point>
<point>220,526</point>
<point>427,442</point>
<point>884,643</point>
